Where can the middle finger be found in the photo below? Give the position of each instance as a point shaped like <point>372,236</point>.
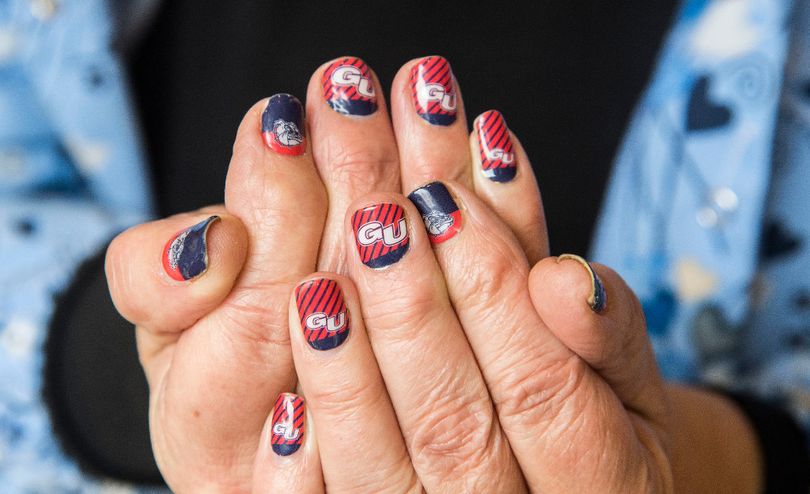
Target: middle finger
<point>439,396</point>
<point>352,142</point>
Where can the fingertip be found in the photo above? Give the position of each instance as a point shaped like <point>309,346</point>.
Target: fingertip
<point>165,274</point>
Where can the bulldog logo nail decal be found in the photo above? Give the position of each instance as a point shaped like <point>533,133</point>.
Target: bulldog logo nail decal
<point>283,125</point>
<point>434,91</point>
<point>381,234</point>
<point>288,424</point>
<point>186,255</point>
<point>323,313</point>
<point>497,153</point>
<point>439,211</point>
<point>348,87</point>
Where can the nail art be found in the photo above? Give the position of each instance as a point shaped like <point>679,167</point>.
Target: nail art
<point>323,313</point>
<point>381,234</point>
<point>434,91</point>
<point>283,125</point>
<point>288,424</point>
<point>497,153</point>
<point>185,256</point>
<point>597,300</point>
<point>348,87</point>
<point>439,211</point>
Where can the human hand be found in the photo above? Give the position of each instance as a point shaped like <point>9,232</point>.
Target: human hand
<point>219,337</point>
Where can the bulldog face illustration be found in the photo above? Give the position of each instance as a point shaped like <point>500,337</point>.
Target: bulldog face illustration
<point>287,133</point>
<point>437,222</point>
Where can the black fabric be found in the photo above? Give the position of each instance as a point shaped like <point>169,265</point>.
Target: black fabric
<point>566,74</point>
<point>783,444</point>
<point>94,385</point>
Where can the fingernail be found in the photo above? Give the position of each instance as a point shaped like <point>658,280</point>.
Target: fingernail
<point>439,211</point>
<point>323,313</point>
<point>497,153</point>
<point>434,91</point>
<point>381,234</point>
<point>283,125</point>
<point>597,300</point>
<point>185,256</point>
<point>288,424</point>
<point>348,87</point>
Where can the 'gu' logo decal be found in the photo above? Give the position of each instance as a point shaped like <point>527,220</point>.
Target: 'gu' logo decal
<point>381,234</point>
<point>323,313</point>
<point>434,91</point>
<point>497,153</point>
<point>288,424</point>
<point>348,87</point>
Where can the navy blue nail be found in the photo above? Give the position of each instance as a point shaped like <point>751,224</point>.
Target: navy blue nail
<point>283,125</point>
<point>597,300</point>
<point>186,255</point>
<point>439,211</point>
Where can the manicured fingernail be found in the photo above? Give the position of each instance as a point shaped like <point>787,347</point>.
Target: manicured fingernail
<point>381,234</point>
<point>185,256</point>
<point>598,297</point>
<point>439,211</point>
<point>434,90</point>
<point>497,153</point>
<point>288,424</point>
<point>348,87</point>
<point>283,125</point>
<point>323,313</point>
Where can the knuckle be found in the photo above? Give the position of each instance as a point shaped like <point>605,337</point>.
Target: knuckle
<point>537,389</point>
<point>493,277</point>
<point>345,398</point>
<point>453,433</point>
<point>359,164</point>
<point>258,314</point>
<point>418,308</point>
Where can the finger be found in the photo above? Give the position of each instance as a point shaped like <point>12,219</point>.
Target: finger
<point>504,179</point>
<point>165,275</point>
<point>434,383</point>
<point>572,297</point>
<point>287,459</point>
<point>239,353</point>
<point>345,391</point>
<point>545,395</point>
<point>352,142</point>
<point>430,123</point>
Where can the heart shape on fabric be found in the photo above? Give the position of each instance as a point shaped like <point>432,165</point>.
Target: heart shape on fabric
<point>702,113</point>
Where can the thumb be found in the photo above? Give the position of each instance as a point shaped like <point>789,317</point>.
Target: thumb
<point>609,334</point>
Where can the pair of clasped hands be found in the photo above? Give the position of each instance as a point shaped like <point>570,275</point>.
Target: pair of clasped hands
<point>374,309</point>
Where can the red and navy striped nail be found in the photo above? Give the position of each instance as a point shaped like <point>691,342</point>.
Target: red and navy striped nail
<point>185,256</point>
<point>283,125</point>
<point>323,313</point>
<point>434,90</point>
<point>288,424</point>
<point>439,211</point>
<point>381,234</point>
<point>497,153</point>
<point>348,87</point>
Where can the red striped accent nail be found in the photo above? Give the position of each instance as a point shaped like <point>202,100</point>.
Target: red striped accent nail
<point>323,312</point>
<point>434,90</point>
<point>381,234</point>
<point>288,424</point>
<point>348,87</point>
<point>497,153</point>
